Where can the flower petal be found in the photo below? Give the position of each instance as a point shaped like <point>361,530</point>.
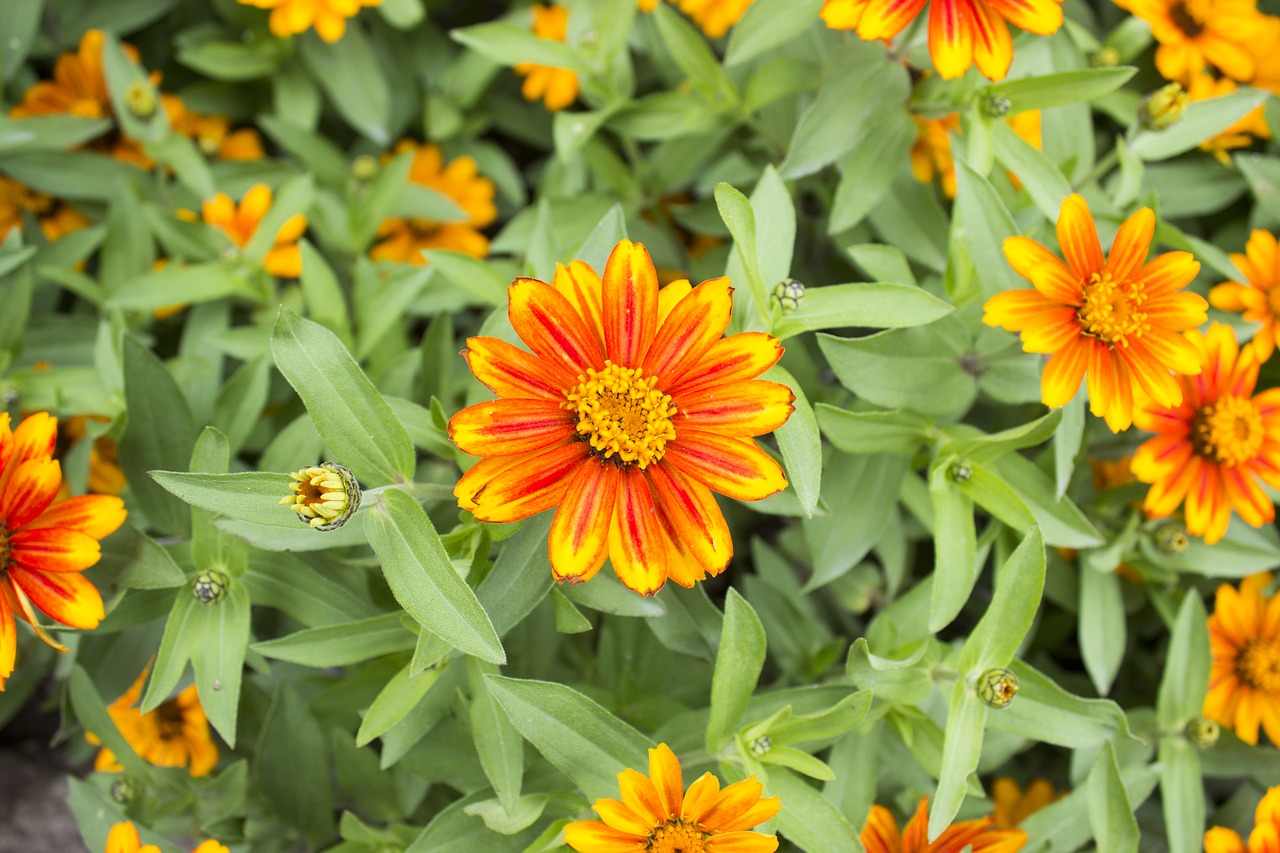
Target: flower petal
<point>93,515</point>
<point>742,842</point>
<point>580,284</point>
<point>510,427</point>
<point>509,371</point>
<point>31,488</point>
<point>1058,283</point>
<point>750,408</point>
<point>731,359</point>
<point>886,18</point>
<point>1167,273</point>
<point>8,639</point>
<point>1132,244</point>
<point>638,791</point>
<point>123,838</point>
<point>551,327</point>
<point>1012,310</point>
<point>54,549</point>
<point>620,816</point>
<point>1063,373</point>
<point>664,772</point>
<point>757,814</point>
<point>694,520</point>
<point>730,805</point>
<point>630,304</point>
<point>1025,254</point>
<point>530,486</point>
<point>579,538</point>
<point>69,598</point>
<point>1177,311</point>
<point>638,549</point>
<point>696,322</point>
<point>992,44</point>
<point>1042,17</point>
<point>735,467</point>
<point>592,836</point>
<point>1079,237</point>
<point>951,37</point>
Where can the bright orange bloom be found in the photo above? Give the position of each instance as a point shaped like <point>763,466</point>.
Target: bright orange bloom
<point>647,5</point>
<point>961,32</point>
<point>174,734</point>
<point>880,834</point>
<point>45,543</point>
<point>715,17</point>
<point>1115,320</point>
<point>329,17</point>
<point>1244,683</point>
<point>239,223</point>
<point>1195,34</point>
<point>1014,805</point>
<point>557,87</point>
<point>213,134</point>
<point>78,87</point>
<point>1265,837</point>
<point>1241,134</point>
<point>1212,448</point>
<point>403,239</point>
<point>657,815</point>
<point>124,839</point>
<point>1265,46</point>
<point>1259,300</point>
<point>56,218</point>
<point>630,412</point>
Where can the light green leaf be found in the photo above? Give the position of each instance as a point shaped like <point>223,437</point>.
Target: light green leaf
<point>1182,794</point>
<point>249,496</point>
<point>1102,626</point>
<point>738,666</point>
<point>767,24</point>
<point>1202,120</point>
<point>987,223</point>
<point>1045,712</point>
<point>497,742</point>
<point>1066,87</point>
<point>1114,825</point>
<point>1019,585</point>
<point>896,432</point>
<point>1186,671</point>
<point>800,443</point>
<point>961,749</point>
<point>877,306</point>
<point>342,644</point>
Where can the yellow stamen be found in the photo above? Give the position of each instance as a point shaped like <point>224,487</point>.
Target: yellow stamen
<point>1258,665</point>
<point>1229,432</point>
<point>622,415</point>
<point>676,836</point>
<point>1111,310</point>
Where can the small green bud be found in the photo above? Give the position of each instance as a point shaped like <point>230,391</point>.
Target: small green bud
<point>789,294</point>
<point>761,745</point>
<point>996,105</point>
<point>1106,57</point>
<point>140,98</point>
<point>960,472</point>
<point>1172,538</point>
<point>1164,107</point>
<point>1202,732</point>
<point>210,586</point>
<point>997,687</point>
<point>124,790</point>
<point>364,167</point>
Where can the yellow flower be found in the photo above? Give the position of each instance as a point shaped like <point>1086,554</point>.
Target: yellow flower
<point>1239,135</point>
<point>1259,300</point>
<point>56,218</point>
<point>1265,837</point>
<point>881,834</point>
<point>1111,473</point>
<point>714,16</point>
<point>656,815</point>
<point>329,17</point>
<point>124,839</point>
<point>175,734</point>
<point>647,5</point>
<point>557,87</point>
<point>1265,44</point>
<point>1014,805</point>
<point>1195,34</point>
<point>239,223</point>
<point>1244,682</point>
<point>213,134</point>
<point>403,239</point>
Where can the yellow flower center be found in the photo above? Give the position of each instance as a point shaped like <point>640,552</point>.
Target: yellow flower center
<point>623,416</point>
<point>1258,665</point>
<point>1111,310</point>
<point>676,836</point>
<point>1229,432</point>
<point>1189,17</point>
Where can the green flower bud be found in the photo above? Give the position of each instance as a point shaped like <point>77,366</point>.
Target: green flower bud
<point>1106,57</point>
<point>997,687</point>
<point>210,586</point>
<point>788,294</point>
<point>1172,538</point>
<point>140,98</point>
<point>761,745</point>
<point>996,105</point>
<point>1164,107</point>
<point>364,167</point>
<point>1202,732</point>
<point>124,790</point>
<point>960,472</point>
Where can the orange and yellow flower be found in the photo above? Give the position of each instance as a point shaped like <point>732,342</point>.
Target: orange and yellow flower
<point>78,87</point>
<point>881,834</point>
<point>213,134</point>
<point>1014,805</point>
<point>1212,447</point>
<point>45,543</point>
<point>124,838</point>
<point>1259,299</point>
<point>656,814</point>
<point>715,17</point>
<point>1203,86</point>
<point>56,218</point>
<point>403,238</point>
<point>174,734</point>
<point>1114,320</point>
<point>556,87</point>
<point>962,33</point>
<point>1244,682</point>
<point>631,410</point>
<point>329,17</point>
<point>1197,34</point>
<point>1265,837</point>
<point>240,222</point>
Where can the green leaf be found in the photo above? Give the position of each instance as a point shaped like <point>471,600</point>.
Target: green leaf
<point>1045,712</point>
<point>985,448</point>
<point>1102,626</point>
<point>1181,794</point>
<point>1040,176</point>
<point>349,73</point>
<point>326,302</point>
<point>987,223</point>
<point>807,820</point>
<point>291,747</point>
<point>800,443</point>
<point>507,43</point>
<point>913,369</point>
<point>496,740</point>
<point>869,168</point>
<point>176,283</point>
<point>1062,522</point>
<point>738,215</point>
<point>349,413</point>
<point>897,432</point>
<point>767,24</point>
<point>398,697</point>
<point>342,644</point>
<point>249,496</point>
<point>91,711</point>
<point>1186,670</point>
<point>1065,87</point>
<point>862,493</point>
<point>289,199</point>
<point>1066,443</point>
<point>1114,825</point>
<point>738,666</point>
<point>690,51</point>
<point>955,547</point>
<point>241,402</point>
<point>1066,824</point>
<point>961,749</point>
<point>876,306</point>
<point>472,275</point>
<point>1019,585</point>
<point>1202,120</point>
<point>218,639</point>
<point>423,579</point>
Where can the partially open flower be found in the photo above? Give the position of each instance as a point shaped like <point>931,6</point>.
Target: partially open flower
<point>997,687</point>
<point>324,496</point>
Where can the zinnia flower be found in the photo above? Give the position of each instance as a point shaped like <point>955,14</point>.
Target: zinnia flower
<point>1116,321</point>
<point>1259,300</point>
<point>880,834</point>
<point>213,134</point>
<point>124,839</point>
<point>1014,805</point>
<point>657,815</point>
<point>1265,837</point>
<point>403,239</point>
<point>1244,682</point>
<point>174,734</point>
<point>629,412</point>
<point>329,17</point>
<point>45,543</point>
<point>239,223</point>
<point>56,218</point>
<point>1203,86</point>
<point>961,32</point>
<point>557,87</point>
<point>78,87</point>
<point>1212,447</point>
<point>1194,34</point>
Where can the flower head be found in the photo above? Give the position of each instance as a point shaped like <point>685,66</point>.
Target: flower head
<point>881,834</point>
<point>78,87</point>
<point>1014,805</point>
<point>656,814</point>
<point>629,412</point>
<point>324,496</point>
<point>557,87</point>
<point>961,32</point>
<point>1195,34</point>
<point>56,217</point>
<point>1265,837</point>
<point>45,543</point>
<point>213,134</point>
<point>1244,682</point>
<point>1241,134</point>
<point>174,734</point>
<point>329,17</point>
<point>1114,320</point>
<point>404,238</point>
<point>240,222</point>
<point>1259,299</point>
<point>124,839</point>
<point>1212,447</point>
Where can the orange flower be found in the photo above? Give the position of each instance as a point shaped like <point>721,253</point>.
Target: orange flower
<point>1116,321</point>
<point>656,814</point>
<point>105,476</point>
<point>1212,447</point>
<point>1195,34</point>
<point>213,134</point>
<point>56,218</point>
<point>631,410</point>
<point>961,32</point>
<point>1265,837</point>
<point>403,239</point>
<point>880,834</point>
<point>931,152</point>
<point>239,223</point>
<point>1013,805</point>
<point>124,839</point>
<point>174,734</point>
<point>329,17</point>
<point>1265,47</point>
<point>78,87</point>
<point>45,544</point>
<point>557,87</point>
<point>1244,682</point>
<point>1259,300</point>
<point>1241,134</point>
<point>715,17</point>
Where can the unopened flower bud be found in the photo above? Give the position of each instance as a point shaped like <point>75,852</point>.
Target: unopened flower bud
<point>210,586</point>
<point>960,472</point>
<point>996,105</point>
<point>1172,538</point>
<point>1202,732</point>
<point>1163,108</point>
<point>997,687</point>
<point>788,294</point>
<point>324,496</point>
<point>140,99</point>
<point>1106,57</point>
<point>364,167</point>
<point>761,745</point>
<point>123,790</point>
<point>209,144</point>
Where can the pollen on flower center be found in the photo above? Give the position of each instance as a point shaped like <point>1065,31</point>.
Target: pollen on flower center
<point>1188,18</point>
<point>1258,665</point>
<point>623,416</point>
<point>676,836</point>
<point>1111,311</point>
<point>1230,431</point>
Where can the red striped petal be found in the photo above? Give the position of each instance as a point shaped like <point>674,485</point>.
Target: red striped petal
<point>31,488</point>
<point>510,427</point>
<point>696,322</point>
<point>630,304</point>
<point>637,545</point>
<point>509,371</point>
<point>886,18</point>
<point>551,327</point>
<point>693,520</point>
<point>8,639</point>
<point>93,515</point>
<point>731,359</point>
<point>951,37</point>
<point>54,550</point>
<point>750,408</point>
<point>735,467</point>
<point>6,441</point>
<point>581,285</point>
<point>34,438</point>
<point>66,597</point>
<point>1078,237</point>
<point>579,538</point>
<point>992,44</point>
<point>479,475</point>
<point>669,297</point>
<point>530,486</point>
